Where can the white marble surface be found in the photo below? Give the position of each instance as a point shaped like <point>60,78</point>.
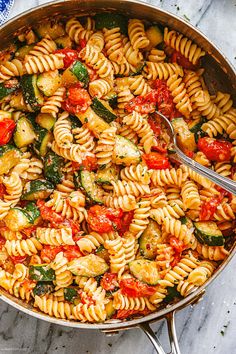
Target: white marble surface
<point>209,327</point>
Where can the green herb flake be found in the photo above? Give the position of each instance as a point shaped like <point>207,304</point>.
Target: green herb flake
<point>186,17</point>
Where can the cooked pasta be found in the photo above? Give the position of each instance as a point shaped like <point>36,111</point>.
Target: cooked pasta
<point>92,197</point>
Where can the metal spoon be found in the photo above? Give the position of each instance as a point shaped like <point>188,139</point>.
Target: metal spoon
<point>221,181</point>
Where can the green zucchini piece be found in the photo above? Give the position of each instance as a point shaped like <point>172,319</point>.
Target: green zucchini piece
<point>80,71</point>
<point>49,82</point>
<point>18,219</point>
<point>103,253</point>
<point>103,110</point>
<point>37,189</point>
<point>9,157</point>
<point>172,293</point>
<point>45,120</point>
<point>106,175</point>
<point>76,180</point>
<point>111,20</point>
<point>87,182</point>
<point>41,272</point>
<point>63,42</point>
<point>111,97</point>
<point>24,134</point>
<point>43,288</point>
<point>145,271</point>
<point>7,87</point>
<point>75,122</point>
<point>88,266</point>
<point>23,51</point>
<point>53,165</point>
<point>208,233</point>
<point>109,308</point>
<point>94,123</point>
<point>155,36</point>
<point>70,294</point>
<point>185,138</point>
<point>44,137</point>
<point>51,28</point>
<point>33,212</point>
<point>31,93</point>
<point>149,239</point>
<point>125,152</point>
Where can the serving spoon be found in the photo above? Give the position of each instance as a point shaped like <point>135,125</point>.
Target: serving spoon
<point>221,181</point>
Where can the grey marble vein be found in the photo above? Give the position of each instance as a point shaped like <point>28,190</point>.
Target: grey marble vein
<point>207,328</point>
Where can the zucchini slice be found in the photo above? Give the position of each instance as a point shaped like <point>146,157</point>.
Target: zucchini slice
<point>43,288</point>
<point>80,71</point>
<point>88,266</point>
<point>31,93</point>
<point>208,233</point>
<point>33,212</point>
<point>70,294</point>
<point>94,123</point>
<point>111,20</point>
<point>9,157</point>
<point>45,120</point>
<point>37,189</point>
<point>145,271</point>
<point>87,182</point>
<point>63,42</point>
<point>51,28</point>
<point>155,36</point>
<point>49,82</point>
<point>125,152</point>
<point>111,97</point>
<point>103,110</point>
<point>18,219</point>
<point>44,137</point>
<point>106,175</point>
<point>149,239</point>
<point>7,87</point>
<point>23,51</point>
<point>185,138</point>
<point>53,165</point>
<point>24,134</point>
<point>41,272</point>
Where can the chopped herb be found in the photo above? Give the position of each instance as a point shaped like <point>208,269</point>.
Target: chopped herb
<point>86,120</point>
<point>186,17</point>
<point>178,8</point>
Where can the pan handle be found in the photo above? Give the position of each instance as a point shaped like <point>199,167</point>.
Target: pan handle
<point>172,335</point>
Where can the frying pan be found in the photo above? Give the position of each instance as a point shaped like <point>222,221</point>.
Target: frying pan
<point>219,75</point>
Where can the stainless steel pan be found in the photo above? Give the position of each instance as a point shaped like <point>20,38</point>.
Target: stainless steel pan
<point>217,68</point>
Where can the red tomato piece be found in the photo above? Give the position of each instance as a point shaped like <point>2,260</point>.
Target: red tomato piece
<point>18,259</point>
<point>178,58</point>
<point>28,284</point>
<point>126,221</point>
<point>102,219</point>
<point>72,252</point>
<point>2,190</point>
<point>109,281</point>
<point>70,55</point>
<point>155,127</point>
<point>49,214</point>
<point>90,163</point>
<point>176,259</point>
<point>215,150</point>
<point>7,127</point>
<point>82,42</point>
<point>156,161</point>
<point>177,244</point>
<point>208,208</point>
<point>48,253</point>
<point>122,314</point>
<point>134,288</point>
<point>78,99</point>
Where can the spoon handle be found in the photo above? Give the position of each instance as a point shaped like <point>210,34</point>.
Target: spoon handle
<point>221,181</point>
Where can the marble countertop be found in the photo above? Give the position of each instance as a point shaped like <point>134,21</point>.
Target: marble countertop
<point>210,326</point>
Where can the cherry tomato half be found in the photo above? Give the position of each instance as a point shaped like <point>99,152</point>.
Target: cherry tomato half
<point>48,253</point>
<point>102,219</point>
<point>7,127</point>
<point>156,161</point>
<point>178,58</point>
<point>78,100</point>
<point>208,208</point>
<point>109,281</point>
<point>215,150</point>
<point>70,55</point>
<point>134,288</point>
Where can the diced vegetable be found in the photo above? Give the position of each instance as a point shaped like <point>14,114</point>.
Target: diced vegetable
<point>145,271</point>
<point>70,294</point>
<point>49,82</point>
<point>111,20</point>
<point>172,293</point>
<point>51,28</point>
<point>45,120</point>
<point>31,93</point>
<point>106,175</point>
<point>80,71</point>
<point>125,152</point>
<point>94,123</point>
<point>9,157</point>
<point>88,266</point>
<point>155,36</point>
<point>6,89</point>
<point>18,219</point>
<point>207,232</point>
<point>185,138</point>
<point>33,212</point>
<point>23,51</point>
<point>37,189</point>
<point>87,182</point>
<point>111,97</point>
<point>63,42</point>
<point>53,165</point>
<point>41,272</point>
<point>103,110</point>
<point>43,288</point>
<point>44,137</point>
<point>24,134</point>
<point>149,240</point>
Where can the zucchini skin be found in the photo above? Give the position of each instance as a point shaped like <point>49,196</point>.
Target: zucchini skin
<point>30,90</point>
<point>37,189</point>
<point>80,71</point>
<point>111,20</point>
<point>53,164</point>
<point>208,233</point>
<point>43,288</point>
<point>103,110</point>
<point>9,157</point>
<point>6,89</point>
